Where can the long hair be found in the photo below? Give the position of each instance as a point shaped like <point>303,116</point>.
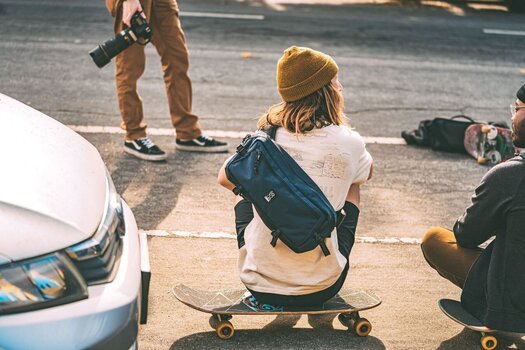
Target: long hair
<point>321,108</point>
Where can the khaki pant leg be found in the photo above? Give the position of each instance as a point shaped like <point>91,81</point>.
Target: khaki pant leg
<point>442,252</point>
<point>170,42</point>
<point>129,66</point>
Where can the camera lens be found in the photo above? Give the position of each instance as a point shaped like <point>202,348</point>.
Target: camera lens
<point>99,56</point>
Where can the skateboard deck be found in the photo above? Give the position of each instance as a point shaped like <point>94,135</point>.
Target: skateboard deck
<point>456,312</point>
<point>223,304</point>
<point>489,143</point>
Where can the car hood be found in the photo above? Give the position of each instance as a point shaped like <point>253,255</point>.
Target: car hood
<point>52,184</point>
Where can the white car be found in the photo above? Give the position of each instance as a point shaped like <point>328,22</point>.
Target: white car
<point>74,271</point>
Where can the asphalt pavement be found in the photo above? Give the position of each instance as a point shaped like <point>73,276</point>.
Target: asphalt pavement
<point>399,63</point>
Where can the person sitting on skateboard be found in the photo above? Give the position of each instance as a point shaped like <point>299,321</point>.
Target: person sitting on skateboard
<point>313,130</point>
<point>493,278</point>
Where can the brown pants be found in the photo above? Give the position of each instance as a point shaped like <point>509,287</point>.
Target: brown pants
<point>443,254</point>
<point>170,43</point>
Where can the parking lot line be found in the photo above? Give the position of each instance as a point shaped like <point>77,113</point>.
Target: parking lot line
<point>228,235</point>
<point>222,15</point>
<point>92,129</point>
<point>504,32</point>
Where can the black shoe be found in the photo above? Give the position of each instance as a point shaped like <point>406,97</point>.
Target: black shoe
<point>144,148</point>
<point>201,144</point>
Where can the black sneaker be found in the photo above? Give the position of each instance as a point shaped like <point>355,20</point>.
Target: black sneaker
<point>201,144</point>
<point>144,148</point>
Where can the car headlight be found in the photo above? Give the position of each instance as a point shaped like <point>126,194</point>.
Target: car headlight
<point>39,283</point>
<point>112,221</point>
<point>97,258</point>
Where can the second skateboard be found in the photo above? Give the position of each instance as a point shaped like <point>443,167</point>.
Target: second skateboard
<point>489,143</point>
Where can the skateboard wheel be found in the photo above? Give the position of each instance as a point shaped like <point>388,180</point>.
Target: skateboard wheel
<point>492,134</point>
<point>225,330</point>
<point>494,157</point>
<point>485,129</point>
<point>482,160</point>
<point>361,326</point>
<point>489,342</point>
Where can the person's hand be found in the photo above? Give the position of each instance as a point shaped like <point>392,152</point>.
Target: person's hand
<point>129,7</point>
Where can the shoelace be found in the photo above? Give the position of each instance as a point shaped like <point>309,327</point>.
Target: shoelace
<point>146,142</point>
<point>205,138</point>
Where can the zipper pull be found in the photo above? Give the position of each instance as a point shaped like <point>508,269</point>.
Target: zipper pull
<point>256,165</point>
<point>322,244</point>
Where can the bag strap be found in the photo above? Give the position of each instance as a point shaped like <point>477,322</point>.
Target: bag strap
<point>461,116</point>
<point>270,130</point>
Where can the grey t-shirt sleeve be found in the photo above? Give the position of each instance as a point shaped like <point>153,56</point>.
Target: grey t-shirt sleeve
<point>486,213</point>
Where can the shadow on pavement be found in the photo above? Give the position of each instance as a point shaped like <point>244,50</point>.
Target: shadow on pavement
<point>469,339</point>
<point>281,338</point>
<point>158,184</point>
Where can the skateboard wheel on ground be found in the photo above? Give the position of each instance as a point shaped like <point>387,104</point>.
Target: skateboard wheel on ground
<point>491,131</point>
<point>361,326</point>
<point>489,342</point>
<point>225,330</point>
<point>494,157</point>
<point>482,160</point>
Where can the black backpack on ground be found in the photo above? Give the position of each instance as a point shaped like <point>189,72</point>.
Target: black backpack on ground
<point>441,134</point>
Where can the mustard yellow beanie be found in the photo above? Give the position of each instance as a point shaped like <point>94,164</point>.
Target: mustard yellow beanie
<point>302,71</point>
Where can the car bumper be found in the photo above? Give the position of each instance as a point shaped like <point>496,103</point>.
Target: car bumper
<point>107,319</point>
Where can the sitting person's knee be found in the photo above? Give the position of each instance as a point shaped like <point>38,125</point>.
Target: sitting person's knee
<point>432,239</point>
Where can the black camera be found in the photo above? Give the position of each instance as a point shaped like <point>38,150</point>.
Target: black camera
<point>139,31</point>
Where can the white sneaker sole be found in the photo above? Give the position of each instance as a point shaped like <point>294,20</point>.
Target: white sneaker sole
<point>202,149</point>
<point>150,157</point>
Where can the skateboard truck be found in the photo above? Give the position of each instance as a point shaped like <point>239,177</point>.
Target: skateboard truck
<point>361,326</point>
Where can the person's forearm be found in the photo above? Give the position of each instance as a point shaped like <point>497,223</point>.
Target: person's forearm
<point>222,179</point>
<point>347,227</point>
<point>479,221</point>
<point>354,196</point>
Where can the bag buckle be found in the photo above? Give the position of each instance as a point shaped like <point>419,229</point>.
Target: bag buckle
<point>341,217</point>
<point>275,234</point>
<point>242,146</point>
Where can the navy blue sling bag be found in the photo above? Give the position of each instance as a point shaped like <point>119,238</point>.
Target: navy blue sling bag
<point>288,201</point>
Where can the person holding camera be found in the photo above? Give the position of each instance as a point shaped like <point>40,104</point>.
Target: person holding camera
<point>170,43</point>
<point>491,279</point>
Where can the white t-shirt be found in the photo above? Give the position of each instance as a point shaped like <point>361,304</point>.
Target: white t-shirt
<point>334,157</point>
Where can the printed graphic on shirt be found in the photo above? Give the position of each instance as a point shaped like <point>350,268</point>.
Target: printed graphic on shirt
<point>334,166</point>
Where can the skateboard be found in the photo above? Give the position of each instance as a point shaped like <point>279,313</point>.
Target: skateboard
<point>489,143</point>
<point>223,304</point>
<point>456,312</point>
